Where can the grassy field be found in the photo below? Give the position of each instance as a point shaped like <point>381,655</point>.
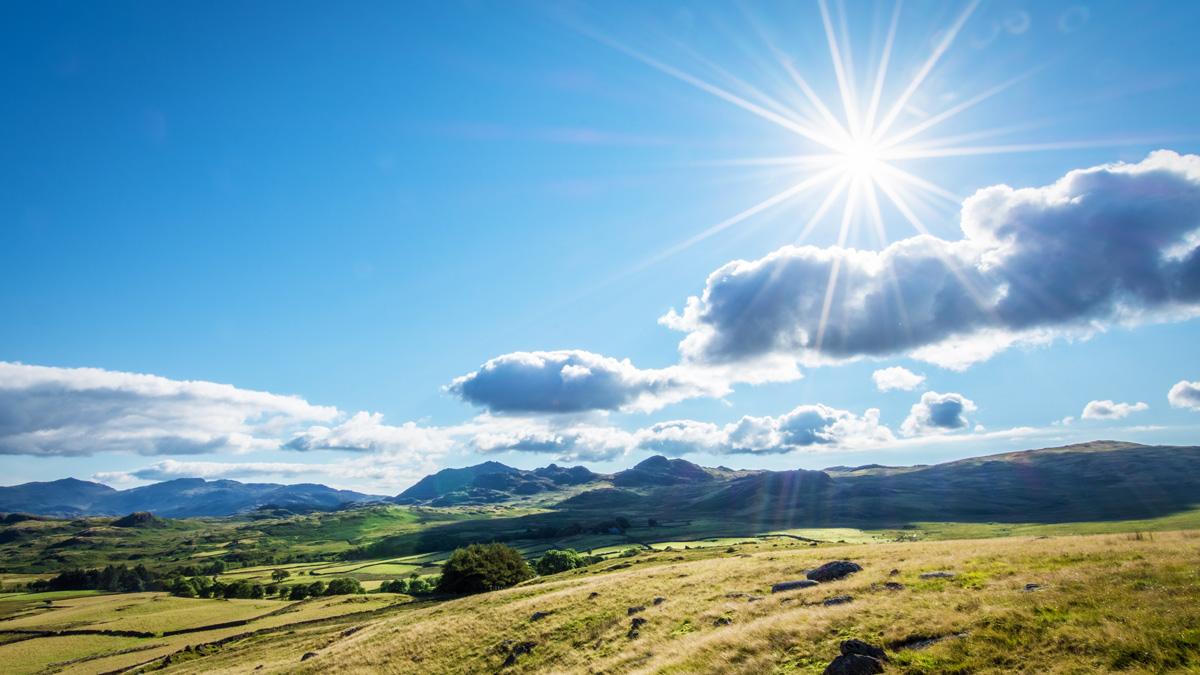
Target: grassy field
<point>1104,603</point>
<point>1109,602</point>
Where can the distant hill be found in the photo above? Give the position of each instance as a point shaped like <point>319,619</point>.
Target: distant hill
<point>64,497</point>
<point>179,498</point>
<point>658,471</point>
<point>491,482</point>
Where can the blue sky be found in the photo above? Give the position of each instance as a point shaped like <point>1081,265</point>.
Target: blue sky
<point>356,208</point>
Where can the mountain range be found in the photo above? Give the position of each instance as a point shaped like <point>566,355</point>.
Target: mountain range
<point>178,498</point>
<point>1091,481</point>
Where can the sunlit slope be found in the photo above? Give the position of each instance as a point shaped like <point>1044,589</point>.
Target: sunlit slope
<point>1102,603</point>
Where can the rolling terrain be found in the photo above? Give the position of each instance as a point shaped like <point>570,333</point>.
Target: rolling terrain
<point>1108,533</point>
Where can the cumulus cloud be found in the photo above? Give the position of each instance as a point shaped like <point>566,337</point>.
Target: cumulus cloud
<point>1185,395</point>
<point>937,413</point>
<point>896,378</point>
<point>80,411</point>
<point>1107,410</point>
<point>366,432</point>
<point>805,427</point>
<point>573,381</point>
<point>569,442</point>
<point>1112,243</point>
<point>358,474</point>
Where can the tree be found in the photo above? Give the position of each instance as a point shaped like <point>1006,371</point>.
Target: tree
<point>343,586</point>
<point>483,567</point>
<point>555,561</point>
<point>394,586</point>
<point>419,586</point>
<point>298,592</point>
<point>316,588</point>
<point>279,575</point>
<point>183,588</point>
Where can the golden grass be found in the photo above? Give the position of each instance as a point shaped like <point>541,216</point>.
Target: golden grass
<point>1110,602</point>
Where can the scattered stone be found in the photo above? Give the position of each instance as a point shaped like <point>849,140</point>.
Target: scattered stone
<point>837,600</point>
<point>792,585</point>
<point>538,616</point>
<point>659,600</point>
<point>635,609</point>
<point>942,574</point>
<point>893,585</point>
<point>1029,588</point>
<point>832,571</point>
<point>853,664</point>
<point>307,656</point>
<point>517,650</point>
<point>894,573</point>
<point>593,595</point>
<point>351,631</point>
<point>634,625</point>
<point>863,649</point>
<point>722,621</point>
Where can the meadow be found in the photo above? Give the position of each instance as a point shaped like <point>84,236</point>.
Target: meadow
<point>1107,602</point>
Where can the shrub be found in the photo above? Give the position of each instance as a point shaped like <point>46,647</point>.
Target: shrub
<point>316,588</point>
<point>419,586</point>
<point>183,588</point>
<point>298,592</point>
<point>279,575</point>
<point>343,586</point>
<point>555,561</point>
<point>483,567</point>
<point>394,586</point>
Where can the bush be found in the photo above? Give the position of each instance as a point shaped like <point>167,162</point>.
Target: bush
<point>555,561</point>
<point>343,586</point>
<point>483,567</point>
<point>279,575</point>
<point>394,586</point>
<point>183,588</point>
<point>419,586</point>
<point>298,592</point>
<point>316,588</point>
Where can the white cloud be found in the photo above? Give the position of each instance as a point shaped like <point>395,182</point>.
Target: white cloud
<point>569,441</point>
<point>896,378</point>
<point>1185,395</point>
<point>362,473</point>
<point>804,428</point>
<point>366,432</point>
<point>573,381</point>
<point>81,411</point>
<point>1107,410</point>
<point>1110,244</point>
<point>938,413</point>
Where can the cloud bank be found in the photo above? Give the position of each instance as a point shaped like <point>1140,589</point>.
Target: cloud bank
<point>1107,410</point>
<point>81,411</point>
<point>1112,243</point>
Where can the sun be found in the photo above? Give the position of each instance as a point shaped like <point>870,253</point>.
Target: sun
<point>861,159</point>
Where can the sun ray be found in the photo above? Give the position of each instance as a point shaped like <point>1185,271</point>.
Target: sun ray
<point>769,202</point>
<point>952,111</point>
<point>928,186</point>
<point>845,86</point>
<point>881,73</point>
<point>881,237</point>
<point>816,101</point>
<point>919,79</point>
<point>823,208</point>
<point>901,205</point>
<point>835,266</point>
<point>966,151</point>
<point>729,97</point>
